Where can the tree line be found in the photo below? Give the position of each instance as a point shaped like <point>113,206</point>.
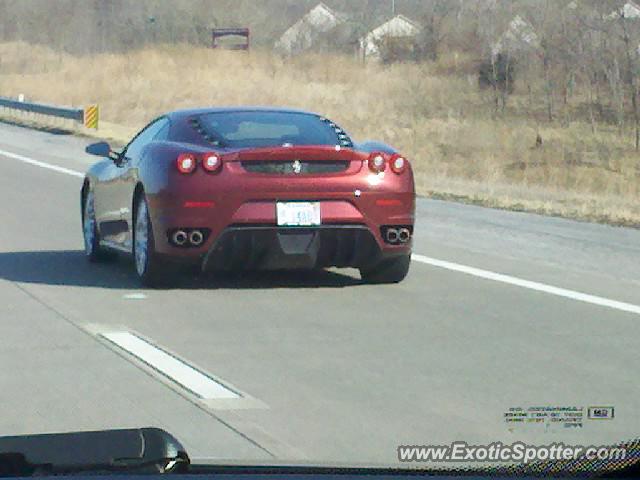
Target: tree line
<point>569,58</point>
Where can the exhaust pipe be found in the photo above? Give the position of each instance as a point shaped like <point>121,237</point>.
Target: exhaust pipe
<point>196,238</point>
<point>179,237</point>
<point>392,235</point>
<point>404,234</point>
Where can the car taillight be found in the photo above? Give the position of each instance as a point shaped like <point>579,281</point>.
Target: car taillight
<point>211,162</point>
<point>377,162</point>
<point>398,164</point>
<point>186,163</point>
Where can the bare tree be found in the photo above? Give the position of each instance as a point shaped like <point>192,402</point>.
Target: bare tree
<point>433,24</point>
<point>630,41</point>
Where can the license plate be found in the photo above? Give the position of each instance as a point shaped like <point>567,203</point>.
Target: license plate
<point>298,214</point>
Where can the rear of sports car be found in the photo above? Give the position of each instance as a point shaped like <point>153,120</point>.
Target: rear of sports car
<point>288,207</point>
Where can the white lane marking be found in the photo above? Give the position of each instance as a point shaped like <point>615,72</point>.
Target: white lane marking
<point>540,287</point>
<point>40,164</point>
<point>171,367</point>
<point>135,296</point>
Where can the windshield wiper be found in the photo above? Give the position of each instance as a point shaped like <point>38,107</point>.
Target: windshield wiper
<point>141,450</point>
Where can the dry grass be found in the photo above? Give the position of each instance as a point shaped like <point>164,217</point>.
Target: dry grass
<point>433,112</point>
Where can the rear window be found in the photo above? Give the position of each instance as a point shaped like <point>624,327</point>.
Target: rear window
<point>268,129</point>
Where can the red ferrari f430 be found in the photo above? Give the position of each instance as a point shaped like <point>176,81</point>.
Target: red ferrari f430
<point>250,188</point>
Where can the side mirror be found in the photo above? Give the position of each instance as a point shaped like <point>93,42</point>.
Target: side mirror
<point>100,149</point>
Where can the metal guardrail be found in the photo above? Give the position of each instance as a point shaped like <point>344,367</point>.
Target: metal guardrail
<point>88,115</point>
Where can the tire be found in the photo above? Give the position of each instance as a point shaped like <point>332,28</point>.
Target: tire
<point>92,249</point>
<point>147,263</point>
<point>393,270</point>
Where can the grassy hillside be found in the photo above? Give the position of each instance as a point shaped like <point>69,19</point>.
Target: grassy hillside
<point>433,112</point>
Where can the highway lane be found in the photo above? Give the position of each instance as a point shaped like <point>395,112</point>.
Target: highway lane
<point>333,370</point>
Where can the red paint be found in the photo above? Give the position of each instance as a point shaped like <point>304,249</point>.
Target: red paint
<point>388,202</point>
<point>191,204</point>
<point>242,197</point>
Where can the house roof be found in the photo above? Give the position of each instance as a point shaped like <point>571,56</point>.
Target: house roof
<point>401,17</point>
<point>321,6</point>
<point>339,15</point>
<point>519,36</point>
<point>408,20</point>
<point>308,29</point>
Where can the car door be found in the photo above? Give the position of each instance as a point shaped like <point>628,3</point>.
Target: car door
<point>115,191</point>
<point>158,130</point>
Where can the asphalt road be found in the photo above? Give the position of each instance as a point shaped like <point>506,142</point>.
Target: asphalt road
<point>328,369</point>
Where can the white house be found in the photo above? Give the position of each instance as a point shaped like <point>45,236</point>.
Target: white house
<point>629,10</point>
<point>519,37</point>
<point>305,32</point>
<point>397,27</point>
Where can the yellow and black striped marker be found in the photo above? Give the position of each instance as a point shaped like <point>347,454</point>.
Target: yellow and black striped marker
<point>91,116</point>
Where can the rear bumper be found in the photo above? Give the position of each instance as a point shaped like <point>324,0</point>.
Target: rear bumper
<point>243,247</point>
<point>234,209</point>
